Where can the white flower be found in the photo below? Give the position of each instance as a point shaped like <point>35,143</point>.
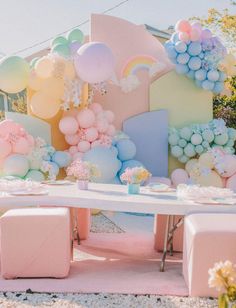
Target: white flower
<point>129,83</point>
<point>222,275</point>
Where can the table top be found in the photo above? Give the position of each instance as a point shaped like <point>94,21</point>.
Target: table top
<point>113,198</point>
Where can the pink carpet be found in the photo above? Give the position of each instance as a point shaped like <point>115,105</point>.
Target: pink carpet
<point>112,263</point>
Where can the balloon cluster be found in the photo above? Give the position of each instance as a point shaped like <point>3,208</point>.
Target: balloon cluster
<point>191,141</point>
<point>87,128</point>
<point>198,54</point>
<point>23,156</point>
<point>213,168</point>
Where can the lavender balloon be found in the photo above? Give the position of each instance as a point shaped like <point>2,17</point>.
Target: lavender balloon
<point>74,46</point>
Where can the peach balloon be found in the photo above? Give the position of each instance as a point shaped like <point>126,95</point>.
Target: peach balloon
<point>96,108</point>
<point>109,116</point>
<point>73,149</point>
<point>231,183</point>
<point>111,130</point>
<point>102,126</point>
<point>195,34</point>
<point>68,126</point>
<point>206,160</point>
<point>83,146</point>
<point>44,67</point>
<point>43,106</point>
<point>179,176</point>
<point>190,164</point>
<point>5,148</point>
<point>86,118</point>
<point>21,146</point>
<point>229,165</point>
<point>91,134</point>
<point>53,87</point>
<point>35,82</point>
<point>211,179</point>
<point>72,139</point>
<point>183,26</point>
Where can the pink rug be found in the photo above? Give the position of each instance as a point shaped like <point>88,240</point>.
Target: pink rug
<point>112,263</point>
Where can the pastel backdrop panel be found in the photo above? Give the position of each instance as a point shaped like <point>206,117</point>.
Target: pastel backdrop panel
<point>149,131</point>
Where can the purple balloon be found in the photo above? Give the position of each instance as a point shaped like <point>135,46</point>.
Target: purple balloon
<point>94,62</point>
<point>74,46</point>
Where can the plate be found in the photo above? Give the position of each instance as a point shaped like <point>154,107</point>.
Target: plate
<point>29,193</point>
<point>160,188</point>
<point>59,182</point>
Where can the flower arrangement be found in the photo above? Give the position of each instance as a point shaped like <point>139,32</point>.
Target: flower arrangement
<point>82,170</point>
<point>223,277</point>
<point>135,175</point>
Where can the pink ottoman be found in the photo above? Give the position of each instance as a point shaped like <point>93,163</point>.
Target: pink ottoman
<point>208,238</point>
<point>35,242</point>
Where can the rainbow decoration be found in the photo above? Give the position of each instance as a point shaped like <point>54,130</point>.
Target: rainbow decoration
<point>140,62</point>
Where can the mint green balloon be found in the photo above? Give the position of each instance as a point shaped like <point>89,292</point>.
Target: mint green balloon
<point>230,143</point>
<point>232,133</point>
<point>177,151</point>
<point>182,143</point>
<point>199,149</point>
<point>208,135</point>
<point>186,133</point>
<point>206,144</point>
<point>62,50</point>
<point>35,175</point>
<point>183,159</point>
<point>75,35</point>
<point>33,62</point>
<point>221,139</point>
<point>189,150</point>
<point>173,139</point>
<point>196,139</point>
<point>59,40</point>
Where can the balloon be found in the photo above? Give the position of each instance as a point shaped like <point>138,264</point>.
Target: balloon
<point>194,63</point>
<point>222,76</point>
<point>201,74</point>
<point>62,159</point>
<point>111,130</point>
<point>83,146</point>
<point>206,160</point>
<point>189,150</point>
<point>53,87</point>
<point>231,133</point>
<point>206,34</point>
<point>21,146</point>
<point>126,149</point>
<point>62,50</point>
<point>231,183</point>
<point>35,175</point>
<point>75,35</point>
<point>190,164</point>
<point>206,144</point>
<point>73,149</point>
<point>221,139</point>
<point>91,134</point>
<point>69,70</point>
<point>183,159</point>
<point>208,85</point>
<point>35,163</point>
<point>59,40</point>
<point>195,34</point>
<point>174,38</point>
<point>35,83</point>
<point>43,106</point>
<point>94,62</point>
<point>44,67</point>
<point>213,75</point>
<point>129,164</point>
<point>7,126</point>
<point>14,74</point>
<point>86,118</point>
<point>229,163</point>
<point>181,68</point>
<point>102,126</point>
<point>68,125</point>
<point>33,62</point>
<point>218,87</point>
<point>211,179</point>
<point>184,37</point>
<point>96,108</point>
<point>177,151</point>
<point>16,165</point>
<point>186,133</point>
<point>208,135</point>
<point>74,47</point>
<point>109,116</point>
<point>72,139</point>
<point>183,26</point>
<point>182,143</point>
<point>198,83</point>
<point>194,48</point>
<point>196,139</point>
<point>191,74</point>
<point>171,52</point>
<point>5,148</point>
<point>183,58</point>
<point>106,161</point>
<point>196,25</point>
<point>179,176</point>
<point>180,47</point>
<point>55,168</point>
<point>199,149</point>
<point>173,139</point>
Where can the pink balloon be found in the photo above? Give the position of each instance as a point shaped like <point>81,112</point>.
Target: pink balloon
<point>102,126</point>
<point>68,125</point>
<point>110,116</point>
<point>206,34</point>
<point>179,176</point>
<point>91,134</point>
<point>77,155</point>
<point>229,165</point>
<point>195,35</point>
<point>111,130</point>
<point>231,183</point>
<point>83,146</point>
<point>72,139</point>
<point>5,148</point>
<point>8,126</point>
<point>21,146</point>
<point>183,26</point>
<point>95,143</point>
<point>86,118</point>
<point>94,62</point>
<point>73,149</point>
<point>196,25</point>
<point>184,37</point>
<point>96,108</point>
<point>30,140</point>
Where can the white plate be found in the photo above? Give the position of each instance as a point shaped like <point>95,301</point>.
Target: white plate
<point>29,193</point>
<point>155,187</point>
<point>59,182</point>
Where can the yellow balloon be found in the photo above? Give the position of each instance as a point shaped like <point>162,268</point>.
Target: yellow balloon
<point>190,164</point>
<point>44,67</point>
<point>35,83</point>
<point>53,87</point>
<point>69,70</point>
<point>43,106</point>
<point>211,179</point>
<point>206,160</point>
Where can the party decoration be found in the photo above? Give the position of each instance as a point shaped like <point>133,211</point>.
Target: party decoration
<point>44,106</point>
<point>16,165</point>
<point>179,176</point>
<point>62,159</point>
<point>75,35</point>
<point>199,55</point>
<point>35,175</point>
<point>44,67</point>
<point>126,149</point>
<point>14,74</point>
<point>231,182</point>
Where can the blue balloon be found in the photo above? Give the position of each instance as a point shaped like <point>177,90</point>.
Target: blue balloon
<point>114,150</point>
<point>183,58</point>
<point>62,159</point>
<point>213,75</point>
<point>126,149</point>
<point>194,48</point>
<point>191,74</point>
<point>180,47</point>
<point>194,63</point>
<point>47,157</point>
<point>201,55</point>
<point>198,83</point>
<point>55,168</point>
<point>35,175</point>
<point>181,68</point>
<point>208,85</point>
<point>106,161</point>
<point>201,74</point>
<point>219,87</point>
<point>129,164</point>
<point>171,52</point>
<point>174,37</point>
<point>222,76</point>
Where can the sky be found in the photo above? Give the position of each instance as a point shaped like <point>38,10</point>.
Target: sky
<point>25,23</point>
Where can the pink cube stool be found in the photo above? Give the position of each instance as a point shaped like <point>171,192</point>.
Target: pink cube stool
<point>35,242</point>
<point>208,238</point>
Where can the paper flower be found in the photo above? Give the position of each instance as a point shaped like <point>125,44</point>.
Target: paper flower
<point>135,175</point>
<point>82,170</point>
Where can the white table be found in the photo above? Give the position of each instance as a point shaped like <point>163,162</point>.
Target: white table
<point>115,198</point>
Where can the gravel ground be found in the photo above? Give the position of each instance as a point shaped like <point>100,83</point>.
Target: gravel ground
<point>100,223</point>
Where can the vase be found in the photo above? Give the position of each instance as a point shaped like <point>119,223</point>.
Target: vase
<point>82,184</point>
<point>133,189</point>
